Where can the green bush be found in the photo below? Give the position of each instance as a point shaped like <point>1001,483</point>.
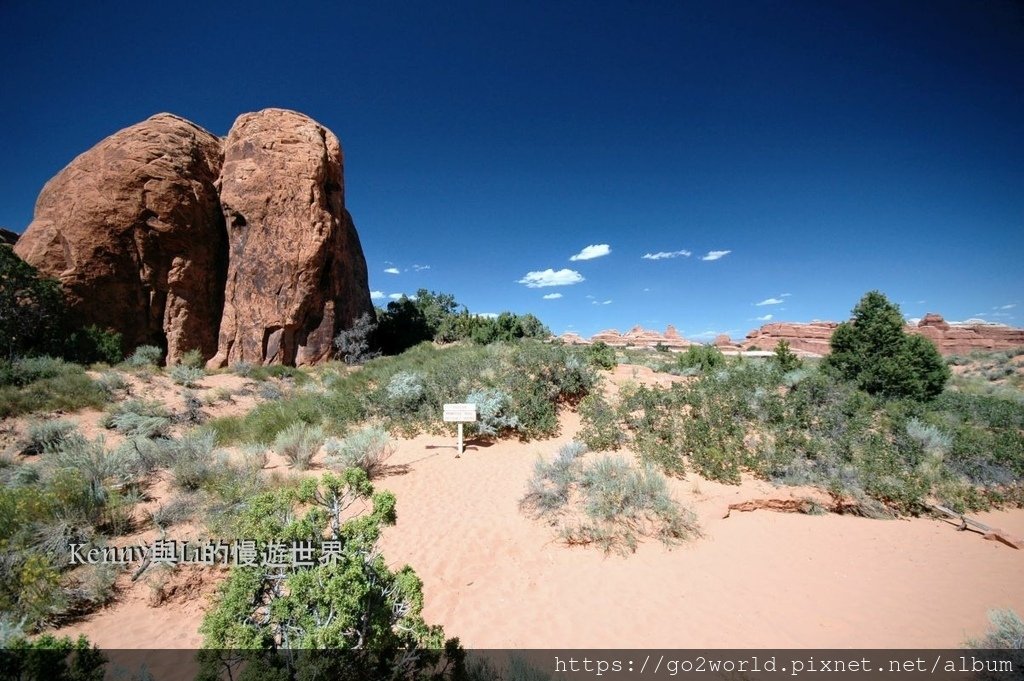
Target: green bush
<point>701,357</point>
<point>68,391</point>
<point>352,601</point>
<point>601,355</point>
<point>193,358</point>
<point>784,358</point>
<point>600,429</point>
<point>191,459</point>
<point>94,344</point>
<point>873,351</point>
<point>32,309</point>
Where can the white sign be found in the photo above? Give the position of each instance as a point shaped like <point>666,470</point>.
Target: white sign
<point>458,413</point>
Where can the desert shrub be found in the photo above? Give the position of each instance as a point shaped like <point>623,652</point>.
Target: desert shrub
<point>186,375</point>
<point>132,424</point>
<point>255,456</point>
<point>47,436</point>
<point>549,489</point>
<point>178,510</point>
<point>192,413</point>
<point>601,355</point>
<point>26,370</point>
<point>873,351</point>
<point>784,358</point>
<point>367,449</point>
<point>112,382</point>
<point>353,601</point>
<point>493,415</point>
<point>1006,631</point>
<point>404,392</point>
<point>191,459</point>
<point>299,443</point>
<point>600,429</point>
<point>243,368</point>
<point>617,502</point>
<point>146,355</point>
<point>702,357</point>
<point>193,358</point>
<point>67,392</point>
<point>353,344</point>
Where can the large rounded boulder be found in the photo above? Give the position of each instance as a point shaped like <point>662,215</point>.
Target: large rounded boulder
<point>296,271</point>
<point>133,230</point>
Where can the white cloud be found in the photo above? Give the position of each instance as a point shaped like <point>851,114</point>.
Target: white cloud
<point>646,290</point>
<point>377,295</point>
<point>715,255</point>
<point>487,315</point>
<point>601,302</point>
<point>591,252</point>
<point>392,270</point>
<point>913,321</point>
<point>771,301</point>
<point>715,334</point>
<point>1006,307</point>
<point>549,277</point>
<point>765,318</point>
<point>553,296</point>
<point>420,268</point>
<point>785,295</point>
<point>396,296</point>
<point>662,255</point>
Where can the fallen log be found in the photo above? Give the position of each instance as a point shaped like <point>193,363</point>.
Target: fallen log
<point>990,533</point>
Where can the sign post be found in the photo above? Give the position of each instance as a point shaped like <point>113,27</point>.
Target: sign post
<point>460,413</point>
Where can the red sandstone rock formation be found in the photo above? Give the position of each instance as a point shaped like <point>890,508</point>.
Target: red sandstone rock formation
<point>812,338</point>
<point>951,339</point>
<point>133,231</point>
<point>637,337</point>
<point>296,271</point>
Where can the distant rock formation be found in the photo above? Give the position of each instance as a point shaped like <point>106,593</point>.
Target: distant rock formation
<point>133,231</point>
<point>8,237</point>
<point>242,249</point>
<point>951,339</point>
<point>637,337</point>
<point>959,339</point>
<point>811,338</point>
<point>296,271</point>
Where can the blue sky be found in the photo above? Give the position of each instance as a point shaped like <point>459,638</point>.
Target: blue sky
<point>826,148</point>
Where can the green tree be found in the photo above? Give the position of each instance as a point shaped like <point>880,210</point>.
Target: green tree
<point>785,358</point>
<point>873,351</point>
<point>32,309</point>
<point>352,602</point>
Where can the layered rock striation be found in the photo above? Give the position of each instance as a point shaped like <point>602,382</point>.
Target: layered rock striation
<point>950,339</point>
<point>241,248</point>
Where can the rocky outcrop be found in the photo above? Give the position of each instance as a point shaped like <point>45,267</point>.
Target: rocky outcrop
<point>637,337</point>
<point>296,273</point>
<point>809,338</point>
<point>951,339</point>
<point>241,248</point>
<point>133,231</point>
<point>960,339</point>
<point>8,237</point>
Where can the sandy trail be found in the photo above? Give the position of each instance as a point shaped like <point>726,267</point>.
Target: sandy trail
<point>499,579</point>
